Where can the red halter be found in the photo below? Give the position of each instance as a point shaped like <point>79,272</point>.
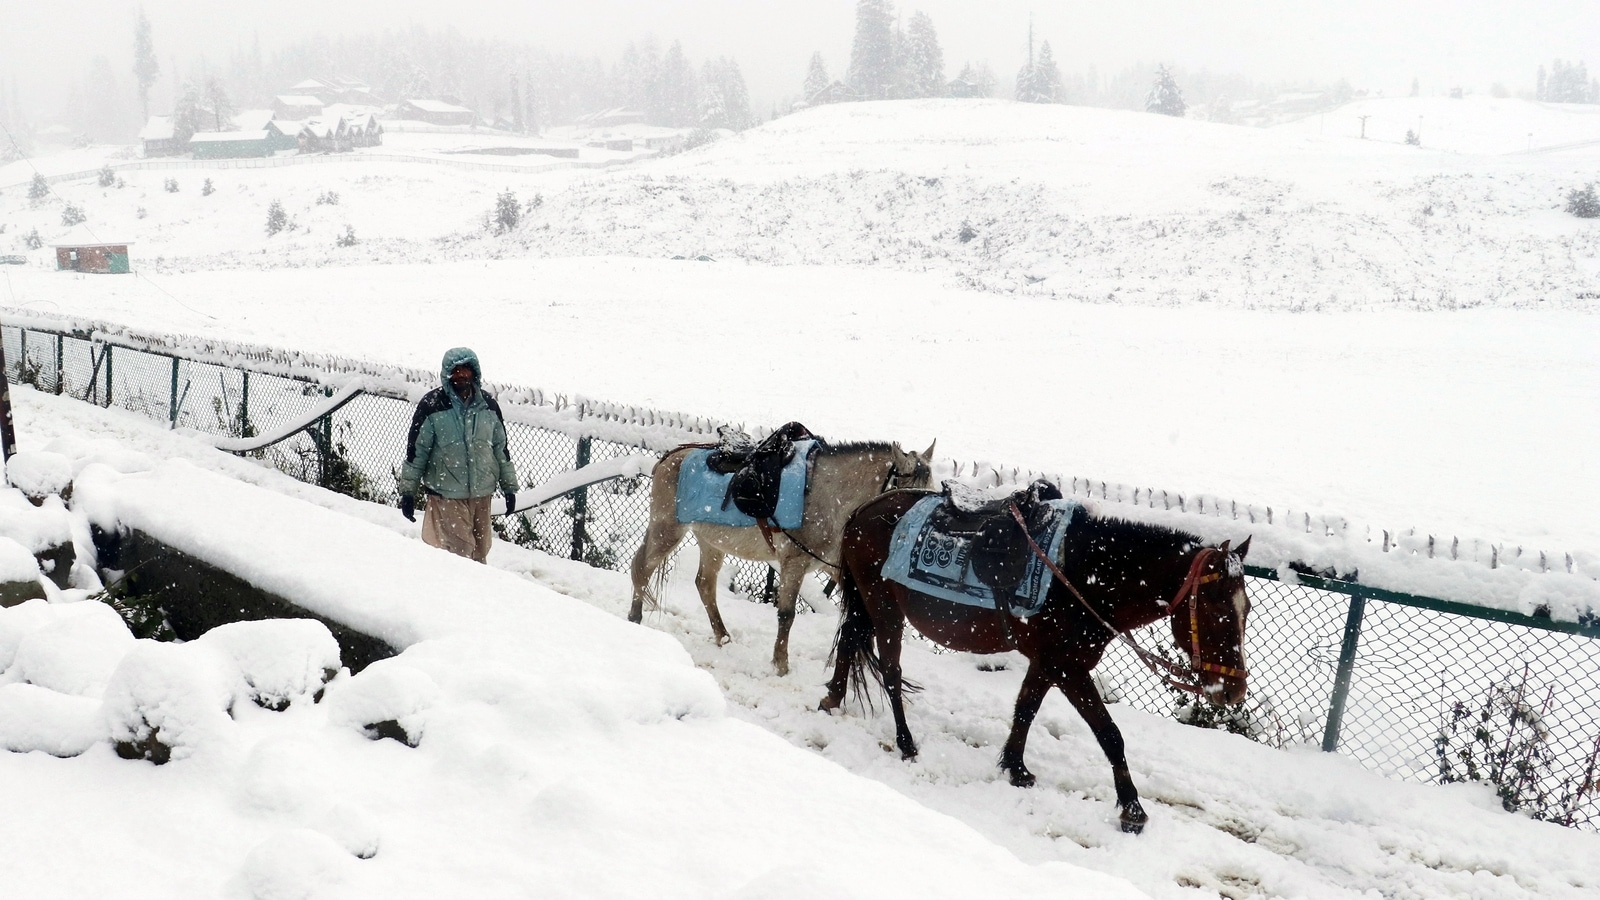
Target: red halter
<point>1188,593</point>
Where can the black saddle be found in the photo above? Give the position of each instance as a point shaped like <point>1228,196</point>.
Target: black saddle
<point>999,549</point>
<point>757,469</point>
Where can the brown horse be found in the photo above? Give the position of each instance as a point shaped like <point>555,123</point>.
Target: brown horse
<point>843,477</point>
<point>1130,574</point>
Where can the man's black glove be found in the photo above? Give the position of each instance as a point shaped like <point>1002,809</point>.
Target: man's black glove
<point>408,507</point>
<point>511,501</point>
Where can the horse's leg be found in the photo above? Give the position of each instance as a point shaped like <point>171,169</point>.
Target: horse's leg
<point>705,581</point>
<point>1035,685</point>
<point>889,633</point>
<point>1079,689</point>
<point>791,572</point>
<point>659,541</point>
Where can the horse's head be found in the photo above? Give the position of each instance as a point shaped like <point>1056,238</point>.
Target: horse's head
<point>1208,621</point>
<point>912,470</point>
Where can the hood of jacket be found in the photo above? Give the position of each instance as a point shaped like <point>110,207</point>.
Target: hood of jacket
<point>457,356</point>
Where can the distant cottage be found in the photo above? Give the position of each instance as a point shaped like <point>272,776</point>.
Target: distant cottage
<point>81,252</point>
<point>296,107</point>
<point>436,112</point>
<point>159,137</point>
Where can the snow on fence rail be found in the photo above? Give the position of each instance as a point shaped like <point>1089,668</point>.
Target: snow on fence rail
<point>1405,683</point>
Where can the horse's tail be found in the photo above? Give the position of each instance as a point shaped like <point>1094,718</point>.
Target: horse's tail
<point>853,643</point>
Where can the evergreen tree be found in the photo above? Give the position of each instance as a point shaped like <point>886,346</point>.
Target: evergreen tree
<point>1165,96</point>
<point>816,78</point>
<point>1039,79</point>
<point>872,51</point>
<point>186,114</point>
<point>724,99</point>
<point>145,67</point>
<point>1416,87</point>
<point>678,91</point>
<point>38,188</point>
<point>1540,85</point>
<point>277,219</point>
<point>924,61</point>
<point>507,211</point>
<point>216,100</point>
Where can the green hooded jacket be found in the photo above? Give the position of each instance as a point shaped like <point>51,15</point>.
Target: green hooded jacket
<point>457,448</point>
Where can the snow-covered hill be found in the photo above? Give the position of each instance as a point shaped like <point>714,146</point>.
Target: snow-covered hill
<point>1054,201</point>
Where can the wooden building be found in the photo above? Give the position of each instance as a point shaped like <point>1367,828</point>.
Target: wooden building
<point>159,138</point>
<point>232,144</point>
<point>80,252</point>
<point>295,107</point>
<point>436,112</point>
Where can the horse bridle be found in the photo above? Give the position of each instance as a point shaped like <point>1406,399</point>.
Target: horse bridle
<point>1188,593</point>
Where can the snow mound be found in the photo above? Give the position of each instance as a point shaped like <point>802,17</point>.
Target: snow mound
<point>16,563</point>
<point>298,864</point>
<point>76,653</point>
<point>17,622</point>
<point>83,452</point>
<point>34,718</point>
<point>281,660</point>
<point>389,690</point>
<point>37,528</point>
<point>167,701</point>
<point>39,473</point>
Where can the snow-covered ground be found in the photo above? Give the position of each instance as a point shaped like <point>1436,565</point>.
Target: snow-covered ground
<point>493,803</point>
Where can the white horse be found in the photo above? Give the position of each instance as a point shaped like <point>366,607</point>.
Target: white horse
<point>843,477</point>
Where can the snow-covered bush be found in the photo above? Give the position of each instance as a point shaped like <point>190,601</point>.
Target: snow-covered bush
<point>76,652</point>
<point>207,188</point>
<point>348,239</point>
<point>1583,203</point>
<point>295,863</point>
<point>108,176</point>
<point>32,241</point>
<point>166,701</point>
<point>35,718</point>
<point>507,212</point>
<point>281,661</point>
<point>386,700</point>
<point>38,188</point>
<point>171,185</point>
<point>72,214</point>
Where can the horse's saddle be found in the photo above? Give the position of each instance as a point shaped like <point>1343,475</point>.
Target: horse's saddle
<point>999,554</point>
<point>757,469</point>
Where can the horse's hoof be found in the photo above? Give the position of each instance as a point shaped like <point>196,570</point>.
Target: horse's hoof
<point>908,753</point>
<point>1133,819</point>
<point>635,617</point>
<point>1021,778</point>
<point>721,639</point>
<point>827,705</point>
<point>781,667</point>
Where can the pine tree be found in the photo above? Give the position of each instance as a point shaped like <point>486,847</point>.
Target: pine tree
<point>186,114</point>
<point>217,99</point>
<point>277,219</point>
<point>1416,87</point>
<point>924,61</point>
<point>38,188</point>
<point>724,99</point>
<point>1039,79</point>
<point>678,91</point>
<point>816,78</point>
<point>507,211</point>
<point>145,67</point>
<point>872,51</point>
<point>1165,96</point>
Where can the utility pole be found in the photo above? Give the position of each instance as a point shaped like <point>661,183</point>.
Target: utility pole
<point>1364,125</point>
<point>8,434</point>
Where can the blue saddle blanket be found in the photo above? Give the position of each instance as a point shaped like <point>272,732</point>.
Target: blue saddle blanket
<point>926,560</point>
<point>701,492</point>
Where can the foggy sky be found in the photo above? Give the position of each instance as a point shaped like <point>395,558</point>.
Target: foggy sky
<point>1377,44</point>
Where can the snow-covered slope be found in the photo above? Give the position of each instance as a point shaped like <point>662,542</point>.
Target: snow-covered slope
<point>495,801</point>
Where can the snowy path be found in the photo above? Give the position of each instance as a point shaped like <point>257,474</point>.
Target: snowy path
<point>1229,817</point>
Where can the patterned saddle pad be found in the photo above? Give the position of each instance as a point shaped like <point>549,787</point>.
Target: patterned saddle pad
<point>939,561</point>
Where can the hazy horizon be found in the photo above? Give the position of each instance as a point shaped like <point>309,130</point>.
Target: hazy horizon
<point>1376,46</point>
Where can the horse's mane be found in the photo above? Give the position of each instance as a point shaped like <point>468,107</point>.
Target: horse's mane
<point>827,448</point>
<point>1137,536</point>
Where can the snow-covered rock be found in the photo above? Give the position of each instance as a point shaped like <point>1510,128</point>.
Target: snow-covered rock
<point>280,660</point>
<point>39,473</point>
<point>17,622</point>
<point>36,718</point>
<point>76,653</point>
<point>388,691</point>
<point>296,864</point>
<point>167,701</point>
<point>19,574</point>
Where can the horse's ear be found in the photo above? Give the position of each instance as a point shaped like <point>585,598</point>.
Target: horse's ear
<point>1244,547</point>
<point>928,453</point>
<point>1224,547</point>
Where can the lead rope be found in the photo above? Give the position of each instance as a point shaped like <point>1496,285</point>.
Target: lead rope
<point>1154,663</point>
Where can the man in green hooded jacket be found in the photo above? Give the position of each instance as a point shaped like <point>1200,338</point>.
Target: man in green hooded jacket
<point>456,454</point>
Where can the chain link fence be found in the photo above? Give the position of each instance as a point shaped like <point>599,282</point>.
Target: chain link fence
<point>1412,687</point>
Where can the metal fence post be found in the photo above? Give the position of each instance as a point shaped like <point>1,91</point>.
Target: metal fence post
<point>244,409</point>
<point>1341,681</point>
<point>172,410</point>
<point>8,435</point>
<point>61,375</point>
<point>106,355</point>
<point>580,504</point>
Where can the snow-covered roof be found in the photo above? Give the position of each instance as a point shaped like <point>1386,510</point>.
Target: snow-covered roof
<point>311,84</point>
<point>252,119</point>
<point>437,106</point>
<point>298,100</point>
<point>214,137</point>
<point>323,126</point>
<point>159,128</point>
